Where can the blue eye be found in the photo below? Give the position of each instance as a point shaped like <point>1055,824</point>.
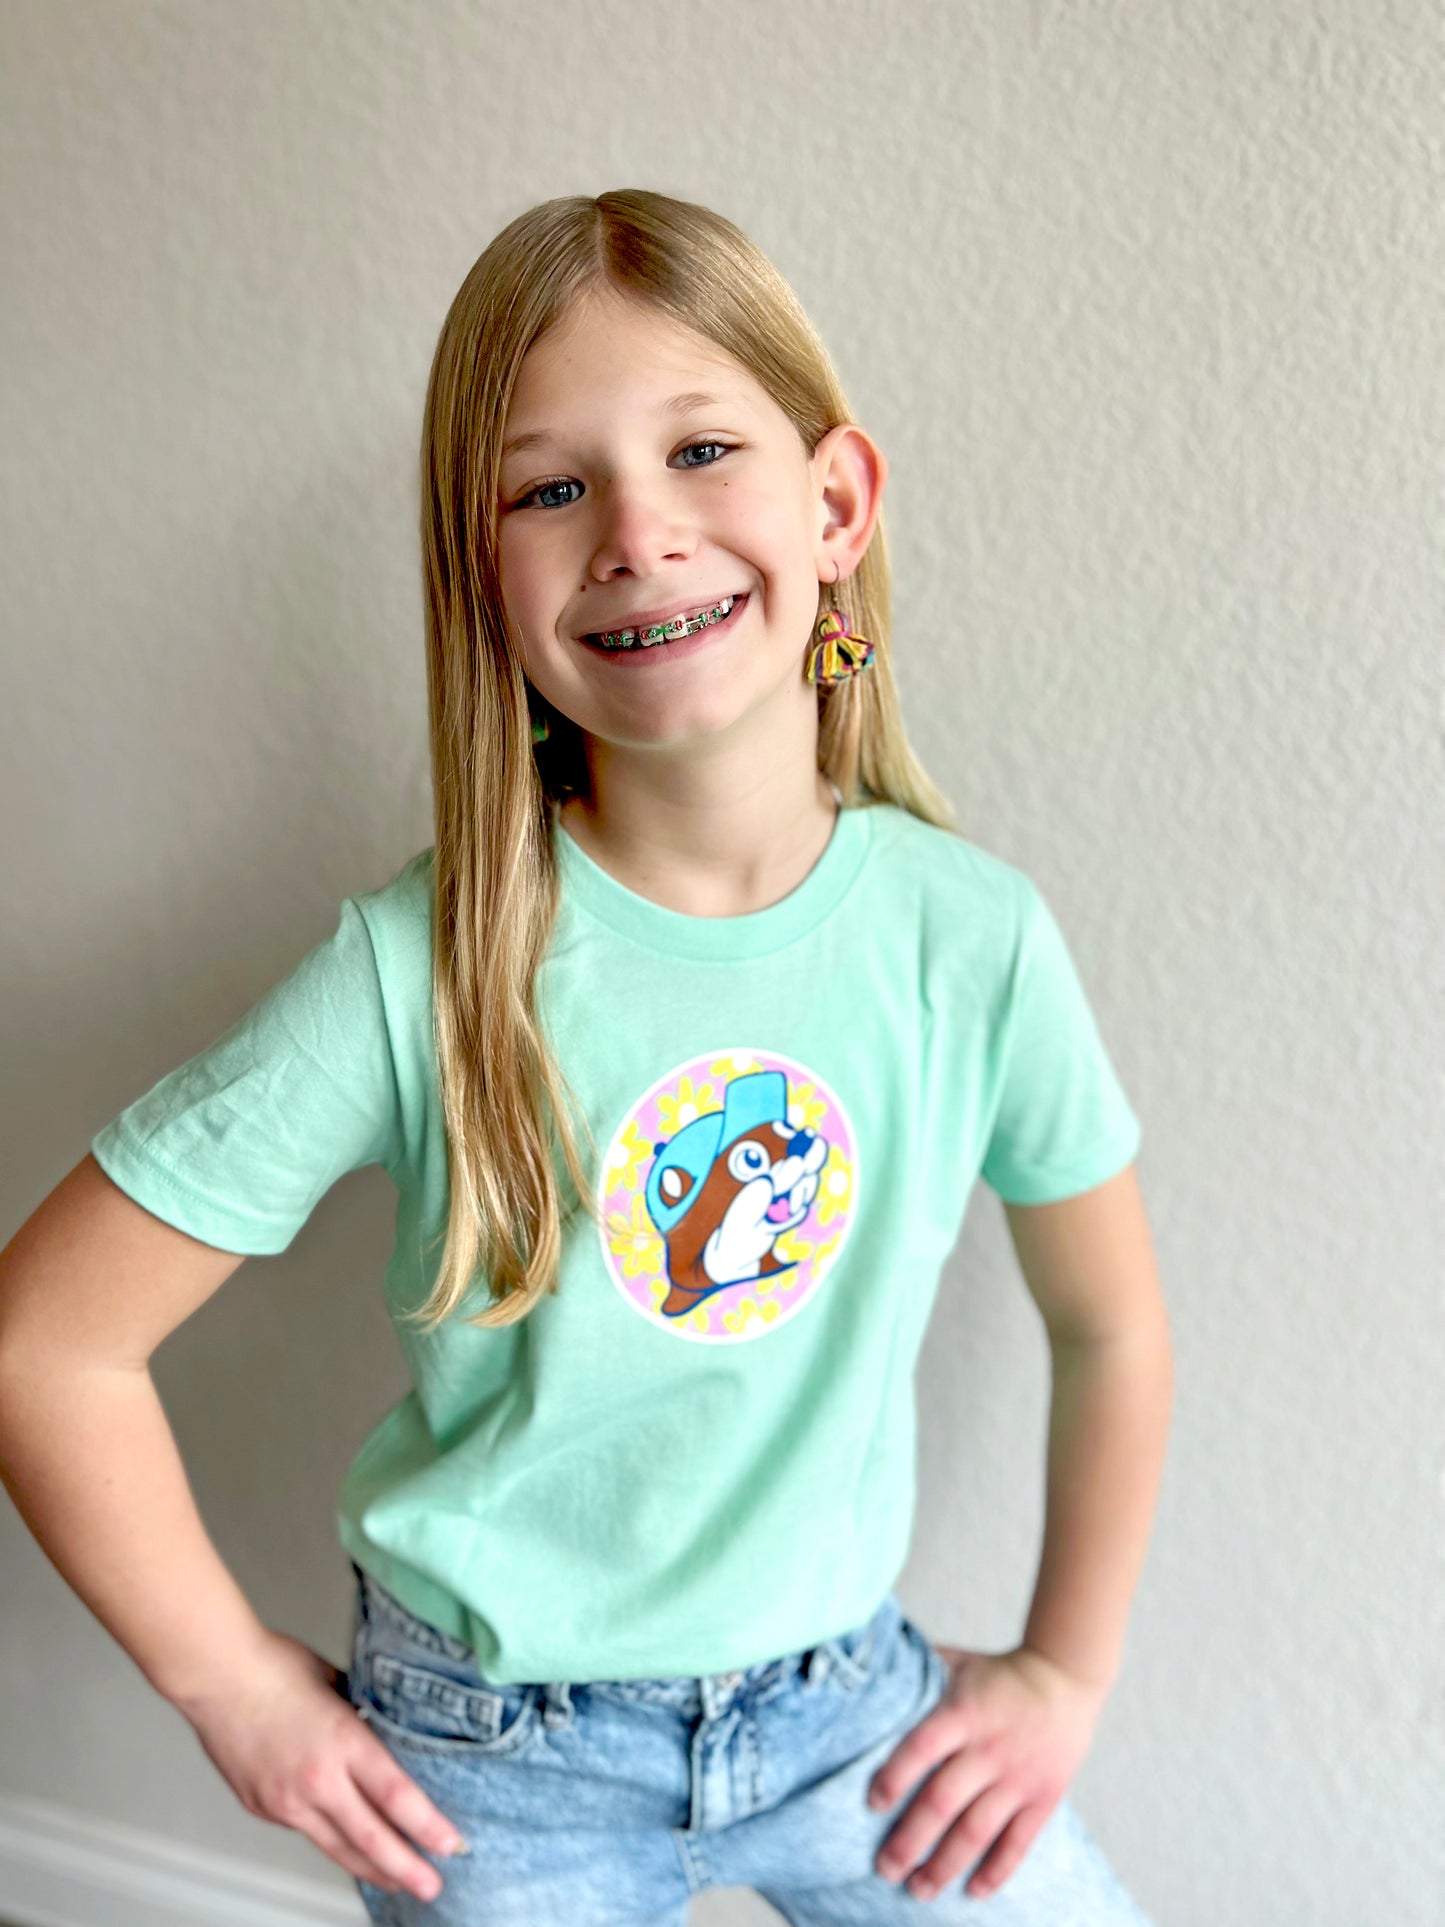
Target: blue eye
<point>692,445</point>
<point>563,481</point>
<point>542,488</point>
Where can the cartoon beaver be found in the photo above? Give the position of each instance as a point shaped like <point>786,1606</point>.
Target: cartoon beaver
<point>727,1185</point>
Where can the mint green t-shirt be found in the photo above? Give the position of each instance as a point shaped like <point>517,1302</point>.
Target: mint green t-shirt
<point>699,1453</point>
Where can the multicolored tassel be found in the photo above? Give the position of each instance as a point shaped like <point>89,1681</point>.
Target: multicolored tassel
<point>839,651</point>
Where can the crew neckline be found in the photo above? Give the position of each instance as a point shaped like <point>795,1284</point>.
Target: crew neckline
<point>721,939</point>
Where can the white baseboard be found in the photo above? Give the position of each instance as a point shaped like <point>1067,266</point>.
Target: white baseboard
<point>61,1868</point>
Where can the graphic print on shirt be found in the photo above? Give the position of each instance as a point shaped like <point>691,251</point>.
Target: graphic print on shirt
<point>727,1194</point>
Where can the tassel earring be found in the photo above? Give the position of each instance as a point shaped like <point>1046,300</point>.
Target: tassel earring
<point>838,651</point>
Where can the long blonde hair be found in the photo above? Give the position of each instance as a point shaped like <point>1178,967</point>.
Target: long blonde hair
<point>495,889</point>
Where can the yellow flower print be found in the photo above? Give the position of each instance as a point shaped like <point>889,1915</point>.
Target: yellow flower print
<point>823,1256</point>
<point>806,1110</point>
<point>632,1238</point>
<point>737,1319</point>
<point>626,1158</point>
<point>835,1188</point>
<point>790,1245</point>
<point>740,1064</point>
<point>689,1103</point>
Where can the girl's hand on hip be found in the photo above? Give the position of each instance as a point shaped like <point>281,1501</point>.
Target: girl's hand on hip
<point>294,1751</point>
<point>1007,1737</point>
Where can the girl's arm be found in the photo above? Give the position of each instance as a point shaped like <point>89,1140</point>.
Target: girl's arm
<point>1089,1265</point>
<point>1010,1729</point>
<point>89,1286</point>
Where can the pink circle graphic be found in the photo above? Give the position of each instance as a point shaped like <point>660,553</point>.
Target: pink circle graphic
<point>727,1194</point>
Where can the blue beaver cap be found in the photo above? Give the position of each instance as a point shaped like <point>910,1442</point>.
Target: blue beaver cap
<point>760,1097</point>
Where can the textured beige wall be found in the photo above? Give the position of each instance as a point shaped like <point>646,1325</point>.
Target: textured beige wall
<point>1145,304</point>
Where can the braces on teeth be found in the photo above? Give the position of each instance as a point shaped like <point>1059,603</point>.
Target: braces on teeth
<point>665,631</point>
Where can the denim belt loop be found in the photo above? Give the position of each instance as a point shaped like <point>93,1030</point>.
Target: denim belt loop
<point>557,1707</point>
<point>815,1665</point>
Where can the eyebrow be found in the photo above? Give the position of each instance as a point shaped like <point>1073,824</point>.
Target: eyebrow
<point>683,404</point>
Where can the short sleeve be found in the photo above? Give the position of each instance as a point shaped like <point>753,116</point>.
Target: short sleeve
<point>238,1145</point>
<point>1061,1120</point>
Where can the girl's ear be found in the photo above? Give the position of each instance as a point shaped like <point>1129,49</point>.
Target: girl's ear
<point>849,472</point>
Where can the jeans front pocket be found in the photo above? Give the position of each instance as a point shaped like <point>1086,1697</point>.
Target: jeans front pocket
<point>435,1713</point>
<point>422,1699</point>
<point>850,1660</point>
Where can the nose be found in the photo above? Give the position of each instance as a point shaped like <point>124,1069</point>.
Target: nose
<point>637,529</point>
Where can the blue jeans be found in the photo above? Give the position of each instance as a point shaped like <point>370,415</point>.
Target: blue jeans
<point>615,1801</point>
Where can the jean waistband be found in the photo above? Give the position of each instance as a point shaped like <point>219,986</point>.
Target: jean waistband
<point>851,1651</point>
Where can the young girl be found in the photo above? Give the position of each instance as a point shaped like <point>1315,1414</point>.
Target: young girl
<point>683,1045</point>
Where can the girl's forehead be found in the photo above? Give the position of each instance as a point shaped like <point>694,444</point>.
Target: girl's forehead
<point>627,349</point>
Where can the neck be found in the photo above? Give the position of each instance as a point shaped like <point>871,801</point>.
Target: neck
<point>711,850</point>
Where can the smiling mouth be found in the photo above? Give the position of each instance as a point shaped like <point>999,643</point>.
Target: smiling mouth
<point>657,633</point>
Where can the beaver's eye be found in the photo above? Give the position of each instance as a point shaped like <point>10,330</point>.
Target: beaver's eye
<point>746,1160</point>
